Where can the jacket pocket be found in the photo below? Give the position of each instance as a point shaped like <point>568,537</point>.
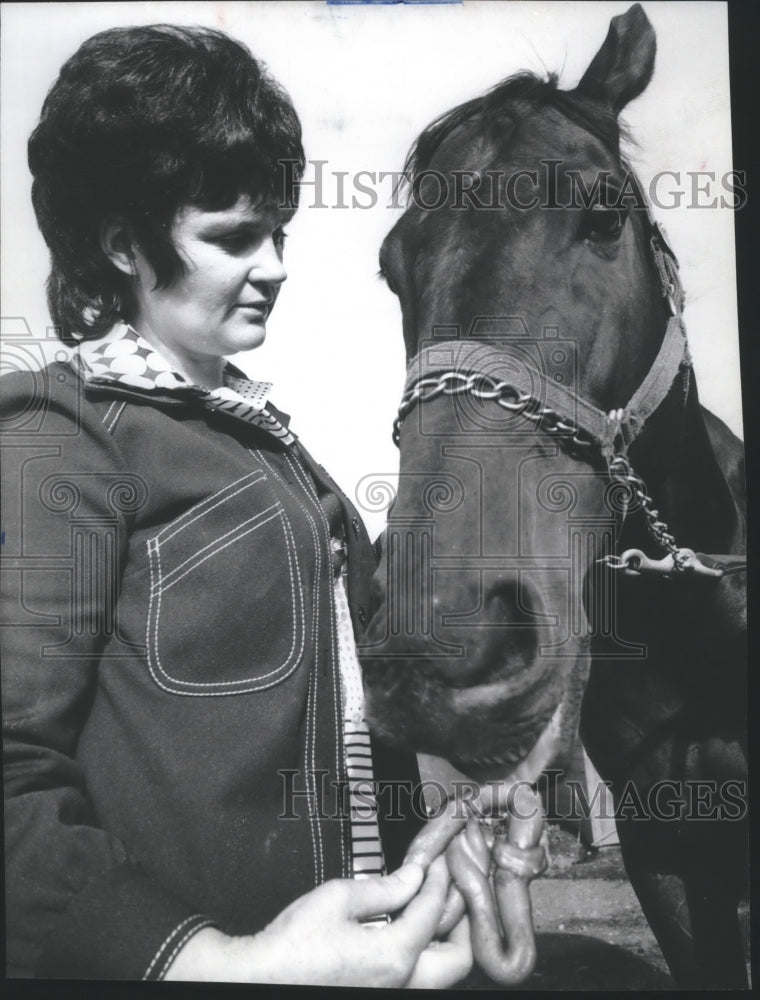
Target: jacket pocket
<point>226,609</point>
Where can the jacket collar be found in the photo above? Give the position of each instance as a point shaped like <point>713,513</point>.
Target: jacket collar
<point>123,358</point>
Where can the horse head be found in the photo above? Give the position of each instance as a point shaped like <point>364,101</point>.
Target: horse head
<point>530,295</point>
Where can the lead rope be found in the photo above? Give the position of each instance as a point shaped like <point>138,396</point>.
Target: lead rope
<point>492,860</point>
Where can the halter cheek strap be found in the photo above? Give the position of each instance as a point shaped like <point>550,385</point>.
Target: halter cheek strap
<point>674,355</point>
<point>672,359</point>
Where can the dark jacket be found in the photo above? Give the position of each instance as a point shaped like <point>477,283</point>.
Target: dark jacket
<point>170,679</point>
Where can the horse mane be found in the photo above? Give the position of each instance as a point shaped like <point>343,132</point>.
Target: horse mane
<point>522,93</point>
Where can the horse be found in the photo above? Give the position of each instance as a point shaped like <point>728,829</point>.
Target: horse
<point>555,463</point>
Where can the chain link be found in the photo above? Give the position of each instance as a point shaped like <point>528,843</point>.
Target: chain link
<point>506,395</point>
<point>621,471</point>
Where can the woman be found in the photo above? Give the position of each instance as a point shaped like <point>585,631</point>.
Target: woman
<point>182,702</point>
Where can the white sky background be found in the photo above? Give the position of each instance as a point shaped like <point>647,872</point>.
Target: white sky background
<point>365,81</point>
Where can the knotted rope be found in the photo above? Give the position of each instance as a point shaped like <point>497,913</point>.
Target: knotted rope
<point>491,868</point>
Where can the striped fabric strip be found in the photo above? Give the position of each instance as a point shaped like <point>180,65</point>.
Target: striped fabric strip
<point>229,400</point>
<point>366,849</point>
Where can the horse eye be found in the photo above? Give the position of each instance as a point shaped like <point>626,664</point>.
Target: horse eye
<point>603,223</point>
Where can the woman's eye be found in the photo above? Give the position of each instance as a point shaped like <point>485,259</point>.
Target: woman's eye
<point>603,223</point>
<point>242,241</point>
<point>234,242</point>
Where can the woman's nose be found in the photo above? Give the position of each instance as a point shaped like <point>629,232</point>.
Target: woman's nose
<point>267,264</point>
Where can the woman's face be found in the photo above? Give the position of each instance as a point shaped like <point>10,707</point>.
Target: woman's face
<point>233,273</point>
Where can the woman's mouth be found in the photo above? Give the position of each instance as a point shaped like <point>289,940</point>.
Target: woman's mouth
<point>255,309</point>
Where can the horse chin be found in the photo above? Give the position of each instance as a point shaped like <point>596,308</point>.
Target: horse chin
<point>484,746</point>
<point>471,728</point>
<point>553,745</point>
<point>550,746</point>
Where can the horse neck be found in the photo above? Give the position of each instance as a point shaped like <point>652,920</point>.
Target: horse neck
<point>684,478</point>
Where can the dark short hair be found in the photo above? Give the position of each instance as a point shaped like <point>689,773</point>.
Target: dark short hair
<point>141,121</point>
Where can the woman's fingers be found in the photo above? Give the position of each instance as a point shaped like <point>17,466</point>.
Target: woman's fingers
<point>453,911</point>
<point>444,963</point>
<point>371,897</point>
<point>417,924</point>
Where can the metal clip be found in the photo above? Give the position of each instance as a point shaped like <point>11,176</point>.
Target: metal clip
<point>635,562</point>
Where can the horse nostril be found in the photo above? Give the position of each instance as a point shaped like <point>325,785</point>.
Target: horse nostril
<point>499,640</point>
<point>526,601</point>
<point>515,612</point>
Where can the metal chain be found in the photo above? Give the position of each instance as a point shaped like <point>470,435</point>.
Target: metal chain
<point>621,471</point>
<point>508,396</point>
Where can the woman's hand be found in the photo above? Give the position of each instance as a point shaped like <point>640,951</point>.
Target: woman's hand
<point>319,938</point>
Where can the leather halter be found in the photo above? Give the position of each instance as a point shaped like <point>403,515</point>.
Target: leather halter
<point>457,366</point>
<point>611,433</point>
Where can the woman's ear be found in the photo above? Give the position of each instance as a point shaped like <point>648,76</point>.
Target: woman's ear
<point>117,244</point>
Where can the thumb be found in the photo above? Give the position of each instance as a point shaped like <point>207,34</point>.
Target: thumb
<point>371,897</point>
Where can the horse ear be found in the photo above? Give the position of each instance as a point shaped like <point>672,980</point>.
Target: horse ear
<point>623,66</point>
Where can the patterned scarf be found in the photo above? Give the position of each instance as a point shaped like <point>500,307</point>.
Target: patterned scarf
<point>123,357</point>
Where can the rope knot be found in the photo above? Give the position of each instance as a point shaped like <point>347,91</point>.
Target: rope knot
<point>521,862</point>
